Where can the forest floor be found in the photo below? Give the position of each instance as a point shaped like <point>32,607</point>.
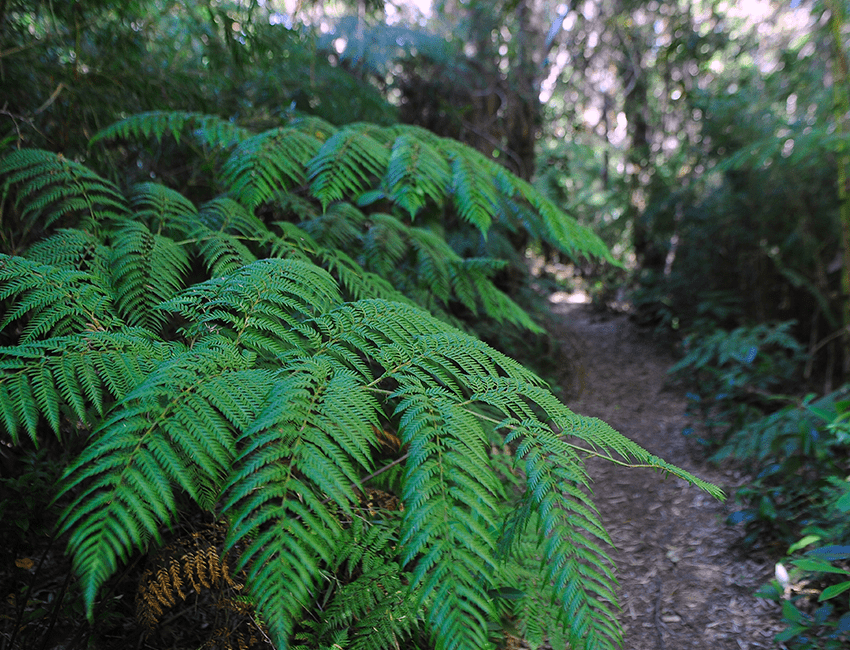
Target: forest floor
<point>684,583</point>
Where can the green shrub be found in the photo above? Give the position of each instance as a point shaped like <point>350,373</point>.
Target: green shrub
<point>816,618</point>
<point>733,374</point>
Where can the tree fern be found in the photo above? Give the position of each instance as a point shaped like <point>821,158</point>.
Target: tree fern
<point>147,268</point>
<point>172,431</point>
<point>348,163</point>
<point>52,300</point>
<point>416,173</point>
<point>162,209</point>
<point>84,373</point>
<point>252,356</point>
<point>269,163</point>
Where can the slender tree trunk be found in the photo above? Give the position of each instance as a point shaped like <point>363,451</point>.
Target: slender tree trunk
<point>841,85</point>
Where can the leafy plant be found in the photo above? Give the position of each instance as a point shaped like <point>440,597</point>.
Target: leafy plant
<point>798,457</point>
<point>244,358</point>
<point>732,374</point>
<point>813,624</point>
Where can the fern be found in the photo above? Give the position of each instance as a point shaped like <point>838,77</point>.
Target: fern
<point>416,173</point>
<point>264,165</point>
<point>50,187</point>
<point>252,357</point>
<point>347,164</point>
<point>162,209</point>
<point>84,373</point>
<point>146,269</point>
<point>53,300</point>
<point>209,130</point>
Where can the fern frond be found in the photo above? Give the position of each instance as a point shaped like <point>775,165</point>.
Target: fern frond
<point>359,283</point>
<point>314,126</point>
<point>385,243</point>
<point>338,227</point>
<point>472,285</point>
<point>433,262</point>
<point>52,300</point>
<point>225,215</point>
<point>49,186</point>
<point>532,605</point>
<point>162,209</point>
<point>267,164</point>
<point>146,270</point>
<point>221,253</point>
<point>175,429</point>
<point>473,188</point>
<point>449,527</point>
<point>416,173</point>
<point>561,229</point>
<point>79,372</point>
<point>347,164</point>
<point>261,306</point>
<point>209,130</point>
<point>374,611</point>
<point>297,461</point>
<point>74,249</point>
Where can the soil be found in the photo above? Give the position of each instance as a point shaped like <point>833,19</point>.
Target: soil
<point>683,584</point>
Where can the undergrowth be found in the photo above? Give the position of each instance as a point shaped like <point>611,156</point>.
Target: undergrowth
<point>795,450</point>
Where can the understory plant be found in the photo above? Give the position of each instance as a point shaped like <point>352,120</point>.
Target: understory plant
<point>804,452</point>
<point>734,376</point>
<point>282,368</point>
<point>796,453</point>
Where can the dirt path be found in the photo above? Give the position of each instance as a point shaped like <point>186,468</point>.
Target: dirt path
<point>682,586</point>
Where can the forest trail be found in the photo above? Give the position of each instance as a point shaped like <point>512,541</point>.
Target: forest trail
<point>683,586</point>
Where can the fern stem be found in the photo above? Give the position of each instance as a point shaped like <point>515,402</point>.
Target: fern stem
<point>385,468</point>
<point>590,452</point>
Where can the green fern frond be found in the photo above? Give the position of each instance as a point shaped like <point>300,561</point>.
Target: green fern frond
<point>351,161</point>
<point>49,186</point>
<point>433,261</point>
<point>532,605</point>
<point>80,372</point>
<point>261,306</point>
<point>74,249</point>
<point>175,429</point>
<point>385,243</point>
<point>473,188</point>
<point>162,209</point>
<point>374,611</point>
<point>449,527</point>
<point>225,215</point>
<point>416,173</point>
<point>52,300</point>
<point>562,230</point>
<point>314,126</point>
<point>288,475</point>
<point>472,285</point>
<point>146,270</point>
<point>209,130</point>
<point>339,226</point>
<point>221,253</point>
<point>267,164</point>
<point>359,283</point>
